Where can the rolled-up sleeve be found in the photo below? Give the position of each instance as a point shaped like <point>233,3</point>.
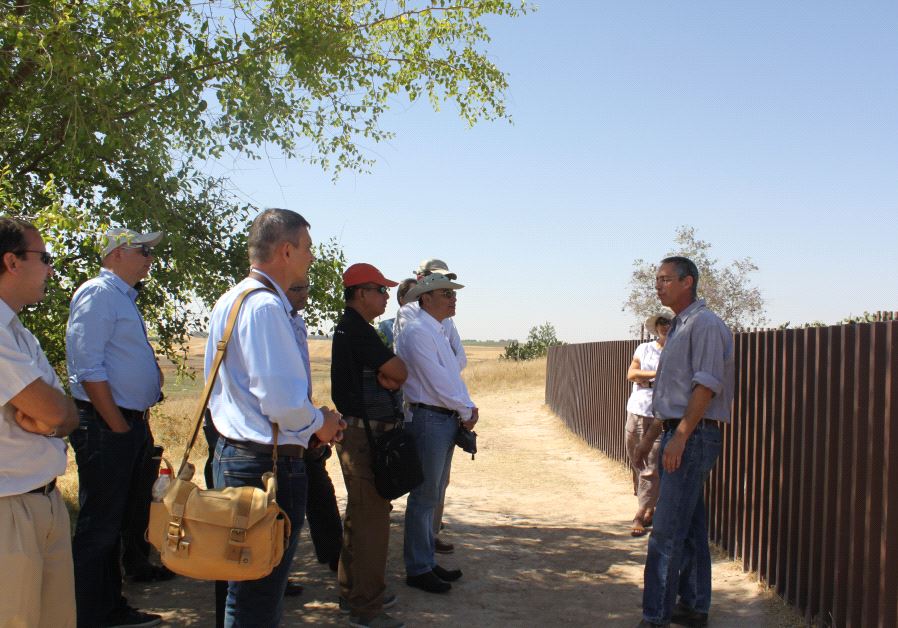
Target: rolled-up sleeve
<point>91,324</point>
<point>708,356</point>
<point>273,365</point>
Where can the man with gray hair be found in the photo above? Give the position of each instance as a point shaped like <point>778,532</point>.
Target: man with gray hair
<point>262,393</point>
<point>115,379</point>
<point>693,397</point>
<point>35,543</point>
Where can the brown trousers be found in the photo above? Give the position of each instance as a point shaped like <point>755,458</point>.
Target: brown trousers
<point>647,481</point>
<point>366,529</point>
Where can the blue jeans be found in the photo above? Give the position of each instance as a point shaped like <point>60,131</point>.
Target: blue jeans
<point>434,439</point>
<point>108,475</point>
<point>679,561</point>
<point>261,602</point>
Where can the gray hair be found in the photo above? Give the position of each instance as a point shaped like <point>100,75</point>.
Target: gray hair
<point>270,228</point>
<point>685,268</point>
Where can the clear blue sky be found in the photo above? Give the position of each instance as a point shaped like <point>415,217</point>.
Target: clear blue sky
<point>770,127</point>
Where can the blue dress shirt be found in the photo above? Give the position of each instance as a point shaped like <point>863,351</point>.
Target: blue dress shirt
<point>106,340</point>
<point>262,379</point>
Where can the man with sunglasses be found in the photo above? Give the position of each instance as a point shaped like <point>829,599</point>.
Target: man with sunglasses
<point>439,402</point>
<point>115,379</point>
<point>364,374</point>
<point>35,545</point>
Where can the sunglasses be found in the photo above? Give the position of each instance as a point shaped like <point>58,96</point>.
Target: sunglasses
<point>145,250</point>
<point>378,289</point>
<point>46,258</point>
<point>298,288</point>
<point>662,321</point>
<point>449,294</point>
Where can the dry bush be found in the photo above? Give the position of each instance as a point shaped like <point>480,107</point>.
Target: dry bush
<point>496,375</point>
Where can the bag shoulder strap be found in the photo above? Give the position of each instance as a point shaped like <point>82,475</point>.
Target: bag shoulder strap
<point>213,373</point>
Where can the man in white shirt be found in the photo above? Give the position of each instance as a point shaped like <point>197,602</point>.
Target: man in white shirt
<point>37,578</point>
<point>439,402</point>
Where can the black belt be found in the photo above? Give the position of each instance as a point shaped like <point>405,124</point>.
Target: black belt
<point>284,451</point>
<point>376,426</point>
<point>46,489</point>
<point>437,409</point>
<point>126,412</point>
<point>668,425</point>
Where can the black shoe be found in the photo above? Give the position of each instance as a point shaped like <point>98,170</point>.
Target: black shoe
<point>293,588</point>
<point>151,573</point>
<point>449,575</point>
<point>429,582</point>
<point>125,616</point>
<point>685,616</point>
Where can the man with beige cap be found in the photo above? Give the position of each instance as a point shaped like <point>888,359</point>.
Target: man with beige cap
<point>115,379</point>
<point>439,402</point>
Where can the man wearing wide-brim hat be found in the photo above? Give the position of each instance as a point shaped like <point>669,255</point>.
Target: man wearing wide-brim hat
<point>439,402</point>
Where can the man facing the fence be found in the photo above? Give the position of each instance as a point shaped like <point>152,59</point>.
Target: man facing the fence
<point>693,396</point>
<point>262,387</point>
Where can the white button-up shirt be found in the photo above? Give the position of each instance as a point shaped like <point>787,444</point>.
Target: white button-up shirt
<point>434,376</point>
<point>27,461</point>
<point>409,312</point>
<point>263,378</point>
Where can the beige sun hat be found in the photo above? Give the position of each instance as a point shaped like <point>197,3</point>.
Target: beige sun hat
<point>652,321</point>
<point>433,265</point>
<point>120,236</point>
<point>430,283</point>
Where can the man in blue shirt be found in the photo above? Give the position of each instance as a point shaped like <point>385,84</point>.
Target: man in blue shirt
<point>114,379</point>
<point>693,397</point>
<point>263,386</point>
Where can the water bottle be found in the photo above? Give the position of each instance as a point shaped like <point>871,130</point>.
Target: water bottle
<point>160,486</point>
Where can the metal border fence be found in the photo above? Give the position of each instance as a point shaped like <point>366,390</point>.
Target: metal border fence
<point>805,493</point>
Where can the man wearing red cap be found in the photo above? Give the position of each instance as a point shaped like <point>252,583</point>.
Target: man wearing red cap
<point>364,375</point>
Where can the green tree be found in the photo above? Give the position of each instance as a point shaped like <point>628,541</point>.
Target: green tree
<point>728,289</point>
<point>110,109</point>
<point>537,345</point>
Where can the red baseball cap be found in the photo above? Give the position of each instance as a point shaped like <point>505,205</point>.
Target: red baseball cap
<point>358,274</point>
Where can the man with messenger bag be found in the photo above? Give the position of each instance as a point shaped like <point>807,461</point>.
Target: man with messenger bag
<point>260,400</point>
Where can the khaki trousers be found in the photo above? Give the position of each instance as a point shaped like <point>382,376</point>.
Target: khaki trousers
<point>366,529</point>
<point>36,575</point>
<point>646,481</point>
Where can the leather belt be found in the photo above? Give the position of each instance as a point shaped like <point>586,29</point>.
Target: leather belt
<point>668,425</point>
<point>376,426</point>
<point>437,409</point>
<point>284,451</point>
<point>126,412</point>
<point>46,489</point>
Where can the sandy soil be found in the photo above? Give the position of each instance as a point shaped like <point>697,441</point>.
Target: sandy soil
<point>540,525</point>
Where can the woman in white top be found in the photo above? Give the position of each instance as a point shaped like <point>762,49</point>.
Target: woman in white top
<point>646,481</point>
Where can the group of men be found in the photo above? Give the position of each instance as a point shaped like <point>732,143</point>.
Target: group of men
<point>264,388</point>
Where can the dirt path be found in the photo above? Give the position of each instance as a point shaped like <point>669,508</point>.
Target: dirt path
<point>539,522</point>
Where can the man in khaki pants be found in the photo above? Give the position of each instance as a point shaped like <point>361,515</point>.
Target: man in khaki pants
<point>36,577</point>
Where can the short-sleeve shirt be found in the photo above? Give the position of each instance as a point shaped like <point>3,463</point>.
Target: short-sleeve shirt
<point>640,401</point>
<point>357,354</point>
<point>27,461</point>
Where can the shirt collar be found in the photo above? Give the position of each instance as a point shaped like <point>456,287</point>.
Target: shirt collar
<point>6,314</point>
<point>283,297</point>
<point>430,320</point>
<point>694,307</point>
<point>119,283</point>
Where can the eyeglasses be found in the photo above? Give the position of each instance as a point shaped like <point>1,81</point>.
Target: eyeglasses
<point>449,294</point>
<point>46,258</point>
<point>662,321</point>
<point>145,250</point>
<point>378,289</point>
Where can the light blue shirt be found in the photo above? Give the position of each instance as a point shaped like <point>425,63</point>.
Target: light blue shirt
<point>699,350</point>
<point>263,378</point>
<point>106,340</point>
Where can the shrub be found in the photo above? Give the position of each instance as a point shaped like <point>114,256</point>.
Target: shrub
<point>538,342</point>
